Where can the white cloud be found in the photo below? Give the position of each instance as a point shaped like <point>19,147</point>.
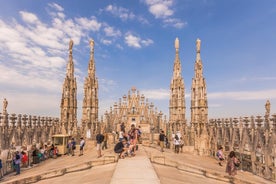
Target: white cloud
<point>56,6</point>
<point>89,24</point>
<point>147,42</point>
<point>29,17</point>
<point>111,32</point>
<point>106,42</point>
<point>244,95</point>
<point>122,13</point>
<point>163,9</point>
<point>175,23</point>
<point>160,8</point>
<point>159,94</point>
<point>132,41</point>
<point>135,41</point>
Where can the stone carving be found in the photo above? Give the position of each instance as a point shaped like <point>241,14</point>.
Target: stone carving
<point>71,43</point>
<point>91,43</point>
<point>5,105</point>
<point>267,108</point>
<point>198,42</point>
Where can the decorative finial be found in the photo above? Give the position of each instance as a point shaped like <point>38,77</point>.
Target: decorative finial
<point>5,105</point>
<point>71,43</point>
<point>176,44</point>
<point>198,45</point>
<point>91,43</point>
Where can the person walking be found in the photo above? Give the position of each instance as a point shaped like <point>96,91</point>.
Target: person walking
<point>232,164</point>
<point>162,140</point>
<point>82,143</point>
<point>99,139</point>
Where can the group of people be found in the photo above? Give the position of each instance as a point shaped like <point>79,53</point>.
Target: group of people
<point>128,141</point>
<point>71,146</point>
<point>178,142</point>
<point>232,163</point>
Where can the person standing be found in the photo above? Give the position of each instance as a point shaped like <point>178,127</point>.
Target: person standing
<point>17,162</point>
<point>99,139</point>
<point>73,144</point>
<point>232,164</point>
<point>1,170</point>
<point>176,143</point>
<point>82,143</point>
<point>105,141</point>
<point>220,155</point>
<point>162,140</point>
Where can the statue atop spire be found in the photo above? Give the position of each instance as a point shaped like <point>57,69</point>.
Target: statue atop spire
<point>198,41</point>
<point>176,44</point>
<point>91,43</point>
<point>71,43</point>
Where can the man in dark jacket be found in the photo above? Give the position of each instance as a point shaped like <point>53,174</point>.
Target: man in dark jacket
<point>99,139</point>
<point>162,140</point>
<point>121,148</point>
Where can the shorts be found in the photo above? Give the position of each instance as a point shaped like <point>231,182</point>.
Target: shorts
<point>81,147</point>
<point>98,146</point>
<point>221,159</point>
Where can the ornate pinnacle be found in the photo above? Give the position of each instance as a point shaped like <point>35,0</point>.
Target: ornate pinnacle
<point>198,42</point>
<point>176,44</point>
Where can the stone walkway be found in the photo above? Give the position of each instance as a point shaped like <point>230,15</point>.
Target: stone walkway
<point>166,167</point>
<point>135,170</point>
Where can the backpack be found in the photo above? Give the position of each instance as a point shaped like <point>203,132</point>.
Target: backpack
<point>218,154</point>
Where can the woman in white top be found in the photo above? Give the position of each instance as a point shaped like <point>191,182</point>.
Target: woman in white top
<point>176,144</point>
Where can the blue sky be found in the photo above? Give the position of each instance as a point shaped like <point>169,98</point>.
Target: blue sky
<point>134,46</point>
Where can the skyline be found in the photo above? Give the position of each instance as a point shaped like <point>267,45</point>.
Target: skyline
<point>134,46</point>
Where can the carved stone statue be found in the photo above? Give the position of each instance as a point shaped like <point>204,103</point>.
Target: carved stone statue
<point>176,44</point>
<point>71,43</point>
<point>267,108</point>
<point>5,105</point>
<point>91,43</point>
<point>198,42</point>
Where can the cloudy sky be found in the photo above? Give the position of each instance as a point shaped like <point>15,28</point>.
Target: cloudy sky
<point>134,46</point>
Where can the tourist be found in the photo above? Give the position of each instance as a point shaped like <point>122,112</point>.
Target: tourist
<point>104,146</point>
<point>232,164</point>
<point>73,146</point>
<point>17,161</point>
<point>24,159</point>
<point>122,127</point>
<point>133,136</point>
<point>176,143</point>
<point>99,139</point>
<point>139,132</point>
<point>1,170</point>
<point>69,147</point>
<point>162,140</point>
<point>181,144</point>
<point>82,143</point>
<point>220,155</point>
<point>121,135</point>
<point>121,148</point>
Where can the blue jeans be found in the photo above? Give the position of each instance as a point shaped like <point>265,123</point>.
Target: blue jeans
<point>17,168</point>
